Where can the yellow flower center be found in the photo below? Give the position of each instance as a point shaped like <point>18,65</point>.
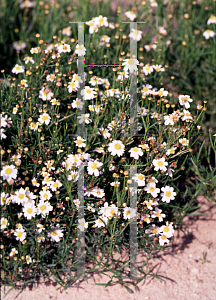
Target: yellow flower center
<point>112,212</point>
<point>54,233</point>
<point>44,118</point>
<point>45,196</point>
<point>160,93</point>
<point>88,91</point>
<point>94,166</point>
<point>160,163</point>
<point>166,229</point>
<point>140,177</point>
<point>21,196</point>
<point>136,32</point>
<point>172,151</point>
<point>158,214</point>
<point>117,146</point>
<point>8,171</point>
<point>184,99</point>
<point>163,237</point>
<point>80,47</point>
<point>55,184</point>
<point>151,189</point>
<point>4,222</point>
<point>4,199</point>
<point>154,230</point>
<point>19,234</point>
<point>18,68</point>
<point>149,204</point>
<point>146,89</point>
<point>212,17</point>
<point>43,207</point>
<point>130,62</point>
<point>127,212</point>
<point>79,142</point>
<point>135,149</point>
<point>29,210</point>
<point>101,21</point>
<point>168,194</point>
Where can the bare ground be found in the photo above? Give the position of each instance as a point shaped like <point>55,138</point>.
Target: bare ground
<point>186,276</point>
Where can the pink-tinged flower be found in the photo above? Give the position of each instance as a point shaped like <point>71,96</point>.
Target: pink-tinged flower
<point>199,106</point>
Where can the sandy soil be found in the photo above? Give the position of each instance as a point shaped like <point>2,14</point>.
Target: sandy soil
<point>186,276</point>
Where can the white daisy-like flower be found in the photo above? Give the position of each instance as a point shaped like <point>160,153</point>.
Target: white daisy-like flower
<point>4,223</point>
<point>15,109</point>
<point>169,172</point>
<point>115,183</point>
<point>136,35</point>
<point>140,179</point>
<point>93,167</point>
<point>34,50</point>
<point>130,15</point>
<point>79,142</point>
<point>171,151</point>
<point>49,165</point>
<point>67,31</point>
<point>40,228</point>
<point>162,93</point>
<point>153,3</point>
<point>150,47</point>
<point>3,136</point>
<point>28,59</point>
<point>44,208</point>
<point>123,75</point>
<point>157,214</point>
<point>163,239</point>
<point>4,198</point>
<point>77,103</point>
<point>152,189</point>
<point>99,193</point>
<point>184,142</point>
<point>50,77</point>
<point>44,118</point>
<point>101,21</point>
<point>55,185</point>
<point>82,224</point>
<point>19,45</point>
<point>168,194</point>
<point>104,210</point>
<point>160,164</point>
<point>73,176</point>
<point>88,93</point>
<point>153,229</point>
<point>34,182</point>
<point>28,259</point>
<point>187,115</point>
<point>168,120</point>
<point>105,133</point>
<point>162,30</point>
<point>149,203</point>
<point>208,33</point>
<point>146,218</point>
<point>211,20</point>
<point>99,150</point>
<point>130,64</point>
<point>80,50</point>
<point>84,118</point>
<point>55,235</point>
<point>92,26</point>
<point>116,148</point>
<point>45,94</point>
<point>45,194</point>
<point>18,69</point>
<point>13,252</point>
<point>29,211</point>
<point>158,68</point>
<point>20,197</point>
<point>147,69</point>
<point>184,100</point>
<point>64,48</point>
<point>129,213</point>
<point>9,172</point>
<point>143,111</point>
<point>104,39</point>
<point>99,223</point>
<point>20,234</point>
<point>34,126</point>
<point>112,211</point>
<point>167,229</point>
<point>135,152</point>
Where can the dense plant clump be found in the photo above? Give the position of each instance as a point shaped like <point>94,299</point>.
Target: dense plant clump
<point>42,155</point>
